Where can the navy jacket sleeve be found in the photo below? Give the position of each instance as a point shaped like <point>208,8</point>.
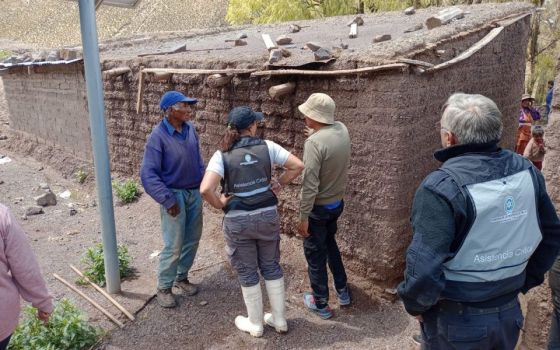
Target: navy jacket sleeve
<point>434,230</point>
<point>547,251</point>
<point>150,174</point>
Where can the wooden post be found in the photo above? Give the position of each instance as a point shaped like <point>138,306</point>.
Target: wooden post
<point>140,97</point>
<point>278,91</point>
<point>218,80</point>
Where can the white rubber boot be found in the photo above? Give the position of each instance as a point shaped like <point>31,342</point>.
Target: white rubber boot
<point>276,297</point>
<point>253,324</point>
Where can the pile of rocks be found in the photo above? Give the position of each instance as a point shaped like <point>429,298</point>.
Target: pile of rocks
<point>43,56</point>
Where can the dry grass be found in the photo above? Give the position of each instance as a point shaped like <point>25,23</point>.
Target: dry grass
<point>55,23</point>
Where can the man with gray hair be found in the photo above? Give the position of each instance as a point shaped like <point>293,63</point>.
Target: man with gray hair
<point>484,230</point>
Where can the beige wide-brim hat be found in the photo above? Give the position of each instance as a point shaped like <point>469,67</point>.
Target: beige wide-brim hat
<point>319,107</point>
<point>527,97</point>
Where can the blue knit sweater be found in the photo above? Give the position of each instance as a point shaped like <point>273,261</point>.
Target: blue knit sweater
<point>171,161</point>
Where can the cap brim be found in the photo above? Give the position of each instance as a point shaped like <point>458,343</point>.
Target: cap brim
<point>258,116</point>
<point>189,100</point>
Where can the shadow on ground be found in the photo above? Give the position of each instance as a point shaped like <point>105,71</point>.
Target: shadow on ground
<point>193,325</point>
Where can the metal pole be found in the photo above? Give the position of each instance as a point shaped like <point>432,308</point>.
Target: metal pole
<point>99,143</point>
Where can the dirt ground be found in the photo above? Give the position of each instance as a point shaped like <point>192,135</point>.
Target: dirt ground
<point>60,239</point>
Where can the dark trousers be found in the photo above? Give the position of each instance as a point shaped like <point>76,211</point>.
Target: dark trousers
<point>554,282</point>
<point>319,248</point>
<point>4,343</point>
<point>472,329</point>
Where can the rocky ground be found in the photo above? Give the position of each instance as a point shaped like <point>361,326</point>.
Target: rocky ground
<point>54,23</point>
<point>203,321</point>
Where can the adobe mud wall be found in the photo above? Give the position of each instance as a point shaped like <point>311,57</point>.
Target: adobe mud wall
<point>49,104</point>
<point>391,118</point>
<point>539,300</point>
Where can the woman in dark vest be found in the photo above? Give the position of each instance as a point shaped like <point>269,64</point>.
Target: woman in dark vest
<point>251,222</point>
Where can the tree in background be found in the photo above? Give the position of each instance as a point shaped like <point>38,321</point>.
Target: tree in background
<point>266,11</point>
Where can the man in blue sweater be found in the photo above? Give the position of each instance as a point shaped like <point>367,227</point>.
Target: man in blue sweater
<point>484,230</point>
<point>171,173</point>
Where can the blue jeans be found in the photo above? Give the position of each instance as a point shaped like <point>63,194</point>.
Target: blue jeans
<point>470,329</point>
<point>181,235</point>
<point>321,248</point>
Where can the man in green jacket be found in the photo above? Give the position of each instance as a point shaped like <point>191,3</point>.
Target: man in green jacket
<point>326,155</point>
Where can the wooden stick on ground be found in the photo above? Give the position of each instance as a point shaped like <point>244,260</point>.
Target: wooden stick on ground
<point>102,291</point>
<point>96,305</point>
<point>207,266</point>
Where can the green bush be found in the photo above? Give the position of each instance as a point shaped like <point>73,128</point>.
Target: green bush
<point>95,267</point>
<point>67,329</point>
<point>126,191</point>
<point>81,176</point>
<point>4,54</point>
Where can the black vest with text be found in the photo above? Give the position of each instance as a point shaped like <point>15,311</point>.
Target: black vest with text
<point>247,175</point>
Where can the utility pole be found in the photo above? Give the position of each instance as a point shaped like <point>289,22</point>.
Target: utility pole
<point>98,128</point>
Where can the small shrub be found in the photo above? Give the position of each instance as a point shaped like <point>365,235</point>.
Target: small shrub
<point>126,191</point>
<point>67,329</point>
<point>95,267</point>
<point>81,176</point>
<point>4,54</point>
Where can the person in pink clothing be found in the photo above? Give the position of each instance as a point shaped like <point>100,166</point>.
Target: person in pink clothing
<point>19,276</point>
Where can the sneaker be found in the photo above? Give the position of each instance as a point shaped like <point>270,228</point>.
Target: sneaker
<point>166,298</point>
<point>186,287</point>
<point>309,301</point>
<point>417,338</point>
<point>343,296</point>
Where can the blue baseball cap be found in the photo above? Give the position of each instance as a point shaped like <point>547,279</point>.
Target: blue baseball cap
<point>242,117</point>
<point>172,97</point>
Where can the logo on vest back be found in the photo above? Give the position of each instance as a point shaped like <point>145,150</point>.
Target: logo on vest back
<point>510,213</point>
<point>509,205</point>
<point>248,160</point>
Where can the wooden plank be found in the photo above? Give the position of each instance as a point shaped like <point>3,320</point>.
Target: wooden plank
<point>363,70</point>
<point>115,72</point>
<point>470,51</point>
<point>198,71</point>
<point>444,17</point>
<point>353,31</point>
<point>96,305</point>
<point>268,42</point>
<point>140,97</point>
<point>105,294</point>
<point>415,62</point>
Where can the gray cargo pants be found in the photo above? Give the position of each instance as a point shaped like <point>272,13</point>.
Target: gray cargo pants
<point>252,244</point>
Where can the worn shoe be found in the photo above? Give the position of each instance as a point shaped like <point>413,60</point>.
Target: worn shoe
<point>417,338</point>
<point>186,287</point>
<point>343,296</point>
<point>309,301</point>
<point>166,298</point>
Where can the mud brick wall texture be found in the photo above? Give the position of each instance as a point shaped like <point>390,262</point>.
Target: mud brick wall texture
<point>392,122</point>
<point>50,103</point>
<point>539,300</point>
<point>391,118</point>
